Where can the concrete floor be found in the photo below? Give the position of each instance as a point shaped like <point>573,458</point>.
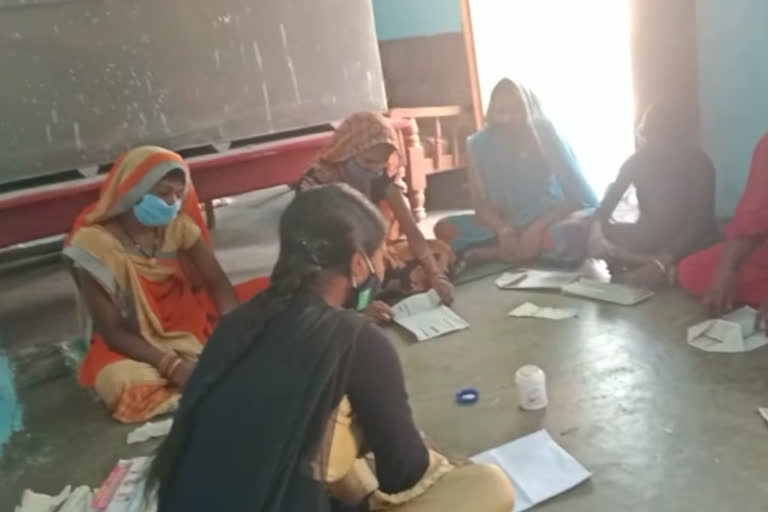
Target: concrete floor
<point>662,426</point>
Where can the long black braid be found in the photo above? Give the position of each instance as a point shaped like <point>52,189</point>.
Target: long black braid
<point>319,232</point>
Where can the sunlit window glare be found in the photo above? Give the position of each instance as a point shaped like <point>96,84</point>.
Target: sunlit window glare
<point>575,55</point>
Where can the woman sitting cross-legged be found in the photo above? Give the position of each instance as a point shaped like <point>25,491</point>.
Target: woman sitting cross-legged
<point>153,287</point>
<point>675,185</point>
<point>296,387</point>
<point>363,153</point>
<point>530,197</point>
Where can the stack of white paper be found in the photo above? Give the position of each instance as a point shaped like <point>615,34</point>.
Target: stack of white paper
<point>537,467</point>
<point>532,279</point>
<point>608,292</point>
<point>531,310</point>
<point>426,318</point>
<point>734,332</point>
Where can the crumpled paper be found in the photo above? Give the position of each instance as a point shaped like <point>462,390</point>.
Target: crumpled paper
<point>531,310</point>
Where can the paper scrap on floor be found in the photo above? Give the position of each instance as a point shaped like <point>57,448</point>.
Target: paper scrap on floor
<point>763,411</point>
<point>608,292</point>
<point>150,430</point>
<point>537,467</point>
<point>426,317</point>
<point>68,500</point>
<point>531,310</point>
<point>734,332</point>
<point>534,279</point>
<point>123,490</point>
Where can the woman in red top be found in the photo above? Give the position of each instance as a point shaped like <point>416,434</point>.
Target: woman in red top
<point>736,270</point>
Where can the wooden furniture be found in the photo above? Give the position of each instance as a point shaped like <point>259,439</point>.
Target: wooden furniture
<point>431,148</point>
<point>50,210</point>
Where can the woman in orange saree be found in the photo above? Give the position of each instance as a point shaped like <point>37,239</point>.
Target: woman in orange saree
<point>144,265</point>
<point>364,154</point>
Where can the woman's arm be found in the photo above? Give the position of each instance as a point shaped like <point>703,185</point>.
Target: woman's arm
<point>216,281</point>
<point>734,252</point>
<point>615,193</point>
<point>719,298</point>
<point>417,242</point>
<point>111,327</point>
<point>377,394</point>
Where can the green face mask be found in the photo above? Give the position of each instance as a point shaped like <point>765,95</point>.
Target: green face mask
<point>364,293</point>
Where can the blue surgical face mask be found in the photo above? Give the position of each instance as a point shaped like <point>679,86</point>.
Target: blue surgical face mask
<point>153,211</point>
<point>360,177</point>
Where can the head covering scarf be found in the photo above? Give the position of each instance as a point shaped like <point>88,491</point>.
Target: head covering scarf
<point>335,163</point>
<point>134,174</point>
<point>358,133</point>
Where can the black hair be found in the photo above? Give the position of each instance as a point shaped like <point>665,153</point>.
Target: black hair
<point>663,121</point>
<point>177,174</point>
<point>320,231</point>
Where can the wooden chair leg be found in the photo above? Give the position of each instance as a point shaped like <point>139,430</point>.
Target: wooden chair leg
<point>210,215</point>
<point>416,170</point>
<point>418,198</point>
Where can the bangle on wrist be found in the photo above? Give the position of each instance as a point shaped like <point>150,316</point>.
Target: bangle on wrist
<point>167,359</point>
<point>173,367</point>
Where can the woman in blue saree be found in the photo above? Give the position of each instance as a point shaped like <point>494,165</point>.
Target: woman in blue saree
<point>530,196</point>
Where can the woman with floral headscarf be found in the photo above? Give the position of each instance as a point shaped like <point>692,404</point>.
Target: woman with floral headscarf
<point>143,263</point>
<point>364,153</point>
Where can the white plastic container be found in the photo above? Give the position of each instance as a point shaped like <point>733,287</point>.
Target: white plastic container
<point>531,387</point>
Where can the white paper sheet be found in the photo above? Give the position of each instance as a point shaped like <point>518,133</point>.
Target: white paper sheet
<point>67,501</point>
<point>531,310</point>
<point>79,500</point>
<point>426,318</point>
<point>150,430</point>
<point>763,411</point>
<point>608,292</point>
<point>734,332</point>
<point>537,467</point>
<point>534,279</point>
<point>36,502</point>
